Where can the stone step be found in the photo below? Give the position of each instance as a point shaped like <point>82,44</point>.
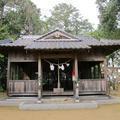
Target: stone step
<point>43,106</point>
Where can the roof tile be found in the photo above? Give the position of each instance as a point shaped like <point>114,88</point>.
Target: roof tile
<point>38,42</point>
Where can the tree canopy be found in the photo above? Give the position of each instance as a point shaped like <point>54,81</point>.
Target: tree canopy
<point>109,17</point>
<point>18,17</point>
<point>67,17</point>
<point>23,17</point>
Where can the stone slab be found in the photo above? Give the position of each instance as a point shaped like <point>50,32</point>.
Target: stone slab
<point>43,106</point>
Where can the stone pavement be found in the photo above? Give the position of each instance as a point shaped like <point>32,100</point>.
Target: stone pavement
<point>86,102</point>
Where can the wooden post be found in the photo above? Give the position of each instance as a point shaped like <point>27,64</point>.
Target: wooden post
<point>76,67</point>
<point>8,75</point>
<point>58,82</point>
<point>105,76</point>
<point>76,81</point>
<point>39,79</point>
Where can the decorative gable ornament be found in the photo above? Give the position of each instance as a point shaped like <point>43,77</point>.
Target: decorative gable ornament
<point>57,35</point>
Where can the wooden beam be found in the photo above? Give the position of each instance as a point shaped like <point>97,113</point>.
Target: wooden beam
<point>23,60</point>
<point>56,56</point>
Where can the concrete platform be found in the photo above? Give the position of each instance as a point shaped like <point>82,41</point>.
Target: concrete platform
<point>42,106</point>
<point>51,103</point>
<point>16,101</point>
<point>81,105</point>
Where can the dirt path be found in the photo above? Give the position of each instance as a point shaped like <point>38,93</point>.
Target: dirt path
<point>107,112</point>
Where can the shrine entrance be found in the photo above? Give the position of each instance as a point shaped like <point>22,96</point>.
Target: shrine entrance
<point>57,76</point>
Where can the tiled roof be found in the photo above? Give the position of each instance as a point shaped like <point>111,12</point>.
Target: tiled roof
<point>88,40</point>
<point>110,42</point>
<point>22,41</point>
<point>42,43</point>
<point>58,44</point>
<point>6,41</point>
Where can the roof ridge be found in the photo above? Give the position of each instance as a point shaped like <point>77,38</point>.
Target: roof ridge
<point>58,41</point>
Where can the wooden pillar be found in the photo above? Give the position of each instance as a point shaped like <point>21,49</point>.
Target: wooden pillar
<point>8,70</point>
<point>76,68</point>
<point>105,68</point>
<point>39,78</point>
<point>8,75</point>
<point>76,80</point>
<point>58,82</point>
<point>106,77</point>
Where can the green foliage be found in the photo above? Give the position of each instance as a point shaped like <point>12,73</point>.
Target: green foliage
<point>4,32</point>
<point>98,34</point>
<point>22,17</point>
<point>65,16</point>
<point>30,17</point>
<point>13,23</point>
<point>108,14</point>
<point>18,17</point>
<point>109,19</point>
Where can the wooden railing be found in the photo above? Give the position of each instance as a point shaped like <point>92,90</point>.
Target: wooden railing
<point>30,87</point>
<point>22,87</point>
<point>92,85</point>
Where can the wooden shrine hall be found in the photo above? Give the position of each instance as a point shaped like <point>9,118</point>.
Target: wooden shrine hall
<point>57,63</point>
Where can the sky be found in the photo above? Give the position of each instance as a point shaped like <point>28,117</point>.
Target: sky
<point>87,8</point>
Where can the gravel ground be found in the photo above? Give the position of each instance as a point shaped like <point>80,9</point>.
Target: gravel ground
<point>104,112</point>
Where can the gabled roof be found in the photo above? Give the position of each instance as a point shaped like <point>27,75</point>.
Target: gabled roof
<point>58,39</point>
<point>94,42</point>
<point>22,41</point>
<point>58,44</point>
<point>67,35</point>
